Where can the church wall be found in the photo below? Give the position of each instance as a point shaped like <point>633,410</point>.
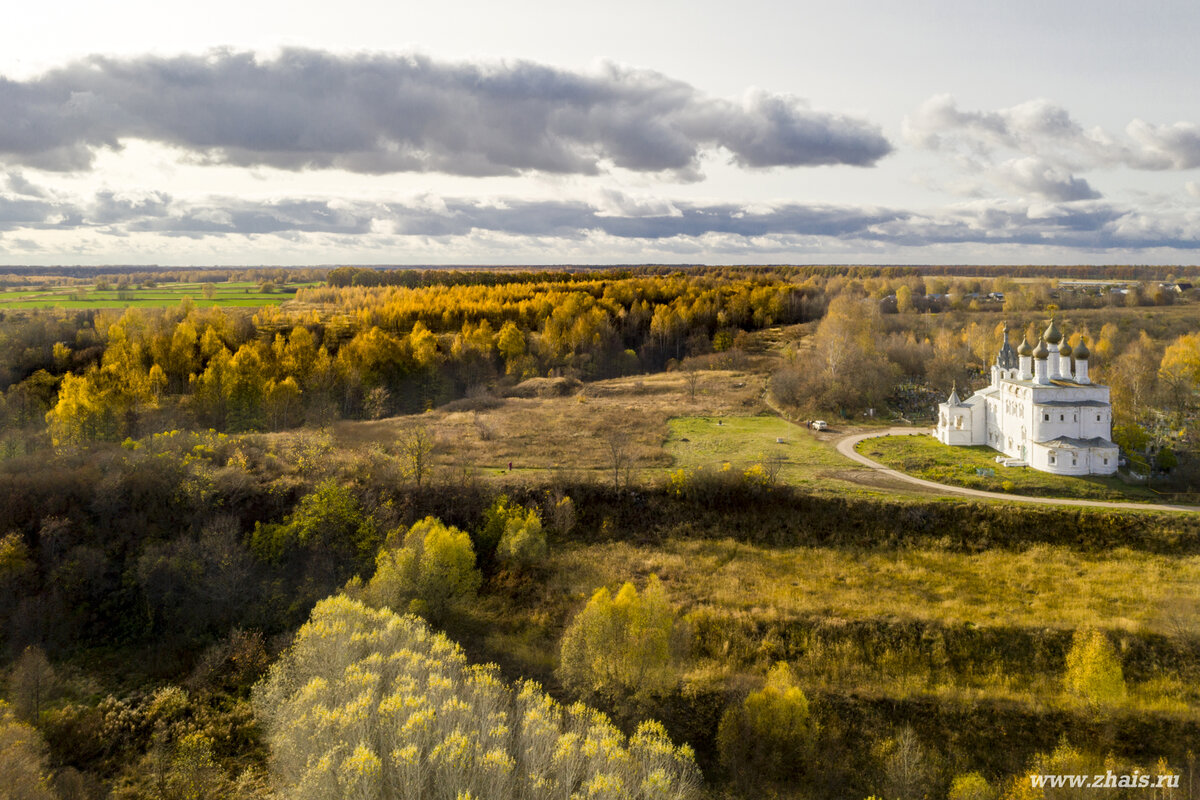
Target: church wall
<point>955,437</point>
<point>1060,461</point>
<point>960,425</point>
<point>979,423</point>
<point>1013,420</point>
<point>1069,461</point>
<point>1095,422</point>
<point>1050,422</point>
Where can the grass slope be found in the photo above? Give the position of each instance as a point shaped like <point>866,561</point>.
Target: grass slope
<point>991,627</point>
<point>711,441</point>
<point>925,457</point>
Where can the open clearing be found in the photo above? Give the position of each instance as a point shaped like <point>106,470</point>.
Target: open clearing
<point>710,441</point>
<point>652,418</point>
<point>573,432</point>
<point>230,293</point>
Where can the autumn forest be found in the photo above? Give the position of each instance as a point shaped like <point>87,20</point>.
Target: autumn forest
<point>563,532</point>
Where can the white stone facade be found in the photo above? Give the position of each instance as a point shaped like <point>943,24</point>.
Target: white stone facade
<point>1040,409</point>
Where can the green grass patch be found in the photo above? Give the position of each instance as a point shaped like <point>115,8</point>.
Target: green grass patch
<point>710,442</point>
<point>236,293</point>
<point>925,457</point>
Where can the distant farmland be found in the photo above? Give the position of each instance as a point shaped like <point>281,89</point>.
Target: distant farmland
<point>233,293</point>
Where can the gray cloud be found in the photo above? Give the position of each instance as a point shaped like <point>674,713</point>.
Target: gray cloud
<point>1167,146</point>
<point>532,218</point>
<point>675,225</point>
<point>20,185</point>
<point>23,212</point>
<point>939,124</point>
<point>109,207</point>
<point>1047,130</point>
<point>1079,224</point>
<point>385,113</point>
<point>1034,176</point>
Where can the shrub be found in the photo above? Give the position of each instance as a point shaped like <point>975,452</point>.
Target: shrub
<point>1093,669</point>
<point>329,521</point>
<point>769,736</point>
<point>561,514</point>
<point>622,643</point>
<point>721,488</point>
<point>431,571</point>
<point>971,786</point>
<point>523,543</point>
<point>369,705</point>
<point>495,522</point>
<point>22,759</point>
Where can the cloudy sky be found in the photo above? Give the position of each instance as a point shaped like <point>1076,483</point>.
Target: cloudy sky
<point>531,132</point>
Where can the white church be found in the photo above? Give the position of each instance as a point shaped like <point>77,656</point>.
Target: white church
<point>1038,410</point>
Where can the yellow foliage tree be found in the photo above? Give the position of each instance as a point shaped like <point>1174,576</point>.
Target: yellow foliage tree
<point>432,570</point>
<point>622,643</point>
<point>770,735</point>
<point>1093,670</point>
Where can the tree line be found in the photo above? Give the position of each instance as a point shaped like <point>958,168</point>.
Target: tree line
<point>361,352</point>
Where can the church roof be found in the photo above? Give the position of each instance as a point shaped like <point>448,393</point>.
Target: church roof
<point>1064,349</point>
<point>1041,351</point>
<point>1025,349</point>
<point>1081,352</point>
<point>1007,357</point>
<point>1073,403</point>
<point>1071,442</point>
<point>1052,334</point>
<point>953,399</point>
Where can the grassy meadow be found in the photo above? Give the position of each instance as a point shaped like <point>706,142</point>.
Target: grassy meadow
<point>654,419</point>
<point>925,457</point>
<point>907,625</point>
<point>246,294</point>
<point>573,433</point>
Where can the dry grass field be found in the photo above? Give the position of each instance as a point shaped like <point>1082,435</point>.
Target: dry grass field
<point>572,433</point>
<point>1043,586</point>
<point>760,602</point>
<point>653,419</point>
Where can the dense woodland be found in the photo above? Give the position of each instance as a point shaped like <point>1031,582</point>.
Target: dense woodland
<point>185,591</point>
<point>359,352</point>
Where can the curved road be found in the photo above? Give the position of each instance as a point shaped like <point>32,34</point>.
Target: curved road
<point>846,447</point>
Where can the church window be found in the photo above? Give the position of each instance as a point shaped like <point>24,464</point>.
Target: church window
<point>1106,462</point>
<point>1045,417</point>
<point>1062,417</point>
<point>1053,458</point>
<point>1097,418</point>
<point>1074,460</point>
